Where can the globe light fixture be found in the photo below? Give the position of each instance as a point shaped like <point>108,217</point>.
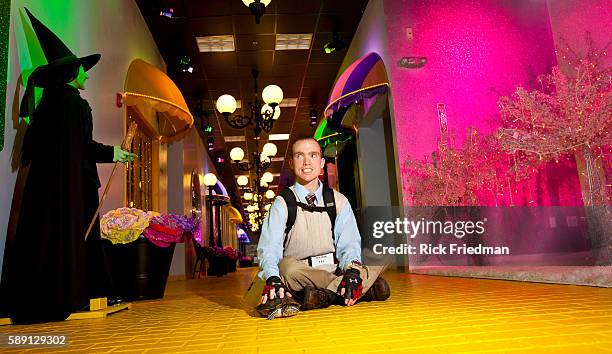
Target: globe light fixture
<point>277,111</point>
<point>210,179</point>
<point>270,194</point>
<point>269,150</point>
<point>242,181</point>
<point>257,8</point>
<point>236,154</point>
<point>267,177</point>
<point>263,119</point>
<point>226,103</point>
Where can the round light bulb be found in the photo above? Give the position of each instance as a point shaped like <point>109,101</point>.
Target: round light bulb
<point>243,180</point>
<point>267,207</point>
<point>272,94</point>
<point>237,154</point>
<point>266,107</point>
<point>210,179</point>
<point>250,208</point>
<point>267,177</point>
<point>249,2</point>
<point>226,104</point>
<point>270,194</point>
<point>263,183</point>
<point>269,149</point>
<point>248,196</point>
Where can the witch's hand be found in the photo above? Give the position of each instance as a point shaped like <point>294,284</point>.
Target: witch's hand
<point>120,155</point>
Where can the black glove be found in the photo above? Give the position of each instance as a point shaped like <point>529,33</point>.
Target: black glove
<point>351,282</point>
<point>275,283</point>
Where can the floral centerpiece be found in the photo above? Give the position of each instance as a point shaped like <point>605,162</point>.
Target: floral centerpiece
<point>124,225</point>
<point>166,229</point>
<point>143,248</point>
<point>232,257</point>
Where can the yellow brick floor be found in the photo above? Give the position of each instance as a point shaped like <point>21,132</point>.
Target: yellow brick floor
<point>425,314</point>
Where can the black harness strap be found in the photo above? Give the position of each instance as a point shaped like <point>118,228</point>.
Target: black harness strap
<point>292,204</point>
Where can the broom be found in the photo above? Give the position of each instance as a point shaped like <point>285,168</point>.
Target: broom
<point>125,145</point>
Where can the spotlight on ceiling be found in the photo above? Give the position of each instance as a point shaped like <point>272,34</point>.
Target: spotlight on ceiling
<point>257,7</point>
<point>185,64</point>
<point>313,117</point>
<point>167,12</point>
<point>336,44</point>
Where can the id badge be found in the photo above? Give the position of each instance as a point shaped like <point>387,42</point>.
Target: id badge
<point>323,259</point>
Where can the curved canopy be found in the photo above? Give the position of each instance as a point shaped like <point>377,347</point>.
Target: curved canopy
<point>234,215</point>
<point>363,79</point>
<point>163,111</point>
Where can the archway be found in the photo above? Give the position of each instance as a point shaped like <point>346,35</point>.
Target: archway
<point>359,135</point>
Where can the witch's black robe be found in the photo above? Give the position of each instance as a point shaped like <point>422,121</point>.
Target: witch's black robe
<point>52,271</point>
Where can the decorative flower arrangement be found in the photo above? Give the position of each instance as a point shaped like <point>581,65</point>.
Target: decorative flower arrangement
<point>245,261</point>
<point>123,225</point>
<point>213,252</point>
<point>230,253</point>
<point>165,230</point>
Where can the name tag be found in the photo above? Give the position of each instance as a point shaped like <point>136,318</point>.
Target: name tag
<point>323,259</point>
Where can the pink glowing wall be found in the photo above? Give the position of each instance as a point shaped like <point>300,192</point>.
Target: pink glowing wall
<point>476,51</point>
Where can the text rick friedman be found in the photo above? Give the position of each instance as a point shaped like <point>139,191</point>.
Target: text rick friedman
<point>429,249</point>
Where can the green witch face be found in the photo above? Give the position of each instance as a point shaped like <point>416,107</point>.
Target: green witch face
<point>79,81</point>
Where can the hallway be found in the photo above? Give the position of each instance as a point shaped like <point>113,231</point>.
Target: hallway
<point>425,314</point>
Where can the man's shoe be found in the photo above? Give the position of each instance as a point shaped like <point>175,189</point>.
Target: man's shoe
<point>317,298</point>
<point>379,291</point>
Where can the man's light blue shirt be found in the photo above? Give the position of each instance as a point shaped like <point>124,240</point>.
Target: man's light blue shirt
<point>270,248</point>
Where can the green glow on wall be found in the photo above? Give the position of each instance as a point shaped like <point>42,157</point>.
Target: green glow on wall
<point>5,14</point>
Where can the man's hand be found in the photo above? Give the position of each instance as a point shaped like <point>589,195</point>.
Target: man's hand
<point>120,155</point>
<point>350,287</point>
<point>274,288</point>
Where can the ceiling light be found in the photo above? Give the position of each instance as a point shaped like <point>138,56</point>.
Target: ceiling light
<point>269,149</point>
<point>267,177</point>
<point>288,102</point>
<point>234,138</point>
<point>224,43</point>
<point>266,107</point>
<point>278,137</point>
<point>293,41</point>
<point>313,117</point>
<point>336,44</point>
<point>257,7</point>
<point>236,154</point>
<point>211,143</point>
<point>242,180</point>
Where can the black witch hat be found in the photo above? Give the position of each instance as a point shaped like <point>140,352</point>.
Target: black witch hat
<point>60,67</point>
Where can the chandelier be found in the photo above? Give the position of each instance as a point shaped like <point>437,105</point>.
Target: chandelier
<point>257,7</point>
<point>262,113</point>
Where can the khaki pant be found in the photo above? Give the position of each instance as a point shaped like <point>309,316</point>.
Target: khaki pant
<point>297,275</point>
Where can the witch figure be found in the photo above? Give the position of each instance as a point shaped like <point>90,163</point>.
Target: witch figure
<point>52,270</point>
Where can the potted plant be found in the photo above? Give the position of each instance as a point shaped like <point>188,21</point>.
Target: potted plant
<point>217,262</point>
<point>142,250</point>
<point>232,258</point>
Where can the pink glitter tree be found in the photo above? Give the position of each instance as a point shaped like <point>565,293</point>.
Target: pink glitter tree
<point>570,115</point>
